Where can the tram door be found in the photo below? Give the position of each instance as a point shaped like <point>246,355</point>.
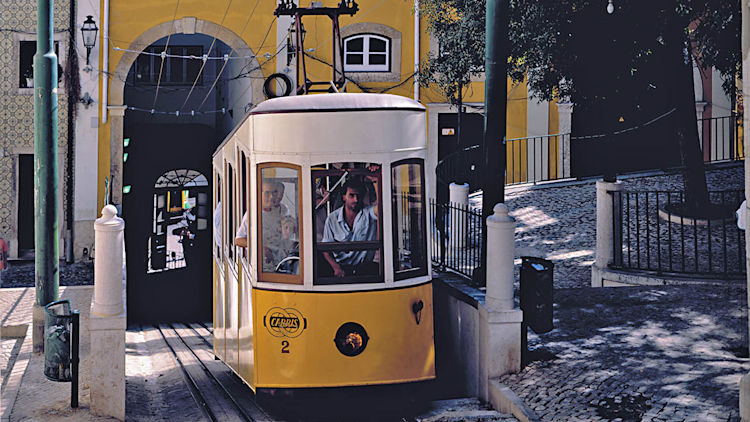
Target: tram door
<point>168,231</point>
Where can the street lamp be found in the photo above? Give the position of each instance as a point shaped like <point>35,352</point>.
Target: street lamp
<point>89,30</point>
<point>291,40</point>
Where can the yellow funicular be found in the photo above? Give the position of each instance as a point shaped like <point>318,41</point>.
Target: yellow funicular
<point>334,286</point>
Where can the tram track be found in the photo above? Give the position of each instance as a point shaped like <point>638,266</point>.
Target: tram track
<point>217,391</point>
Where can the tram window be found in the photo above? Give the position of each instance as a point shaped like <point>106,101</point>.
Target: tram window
<point>230,205</point>
<point>217,216</point>
<point>348,232</point>
<point>409,222</point>
<point>243,200</point>
<point>279,234</point>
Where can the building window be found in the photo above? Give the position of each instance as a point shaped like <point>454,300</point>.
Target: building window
<point>26,64</point>
<point>367,53</point>
<point>348,227</point>
<point>409,219</point>
<point>182,70</point>
<point>279,234</point>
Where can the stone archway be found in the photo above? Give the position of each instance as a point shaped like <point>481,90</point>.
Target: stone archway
<point>116,108</point>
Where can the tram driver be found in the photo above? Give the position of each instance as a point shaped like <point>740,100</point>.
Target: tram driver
<point>354,221</point>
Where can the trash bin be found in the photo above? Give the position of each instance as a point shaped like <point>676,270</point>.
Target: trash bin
<point>58,319</point>
<point>536,293</point>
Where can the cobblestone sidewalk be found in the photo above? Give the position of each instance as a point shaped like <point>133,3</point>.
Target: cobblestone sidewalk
<point>670,353</point>
<point>559,223</point>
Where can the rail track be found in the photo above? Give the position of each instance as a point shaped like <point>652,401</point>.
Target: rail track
<point>219,393</point>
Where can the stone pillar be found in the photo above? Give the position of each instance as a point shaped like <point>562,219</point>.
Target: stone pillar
<point>107,322</point>
<point>500,321</point>
<point>605,233</point>
<point>565,124</point>
<point>458,223</point>
<point>117,118</point>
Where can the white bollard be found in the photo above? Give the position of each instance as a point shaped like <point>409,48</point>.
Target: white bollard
<point>108,319</point>
<point>501,228</point>
<point>109,235</point>
<point>500,323</point>
<point>458,223</point>
<point>605,253</point>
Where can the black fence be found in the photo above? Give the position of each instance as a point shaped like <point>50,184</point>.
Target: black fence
<point>535,159</point>
<point>528,160</point>
<point>721,138</point>
<point>456,237</point>
<point>649,237</point>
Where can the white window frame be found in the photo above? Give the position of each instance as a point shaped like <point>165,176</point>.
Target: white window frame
<point>366,66</point>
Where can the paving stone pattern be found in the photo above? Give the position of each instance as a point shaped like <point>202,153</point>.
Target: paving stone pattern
<point>667,353</point>
<point>559,223</point>
<point>21,274</point>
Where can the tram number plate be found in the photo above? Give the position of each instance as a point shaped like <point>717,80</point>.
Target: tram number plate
<point>284,346</point>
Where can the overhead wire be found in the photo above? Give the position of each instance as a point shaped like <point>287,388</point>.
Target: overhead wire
<point>166,46</point>
<point>203,65</point>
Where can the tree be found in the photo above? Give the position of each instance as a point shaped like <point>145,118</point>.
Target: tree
<point>458,26</point>
<point>631,62</point>
<point>564,41</point>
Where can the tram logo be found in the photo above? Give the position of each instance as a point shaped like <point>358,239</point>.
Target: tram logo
<point>282,322</point>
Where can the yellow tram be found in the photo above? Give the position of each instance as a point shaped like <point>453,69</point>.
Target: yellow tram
<point>334,288</point>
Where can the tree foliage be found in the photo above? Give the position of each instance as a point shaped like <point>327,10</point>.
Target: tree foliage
<point>568,40</point>
<point>458,28</point>
<point>562,45</point>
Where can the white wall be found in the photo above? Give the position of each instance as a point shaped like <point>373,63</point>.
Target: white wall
<point>86,139</point>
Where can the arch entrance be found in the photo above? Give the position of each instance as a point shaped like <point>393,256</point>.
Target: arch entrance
<point>171,118</point>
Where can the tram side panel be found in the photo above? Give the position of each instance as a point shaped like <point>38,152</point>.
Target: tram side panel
<point>296,337</point>
<point>246,339</point>
<point>218,320</point>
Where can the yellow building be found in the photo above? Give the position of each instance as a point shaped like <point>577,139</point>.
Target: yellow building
<point>379,41</point>
<point>185,106</point>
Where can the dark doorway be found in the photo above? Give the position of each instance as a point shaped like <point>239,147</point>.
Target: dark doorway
<point>25,204</point>
<point>168,235</point>
<point>464,170</point>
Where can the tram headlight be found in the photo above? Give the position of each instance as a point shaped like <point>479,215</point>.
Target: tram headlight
<point>351,339</point>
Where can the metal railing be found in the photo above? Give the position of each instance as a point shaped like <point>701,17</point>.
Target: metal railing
<point>456,237</point>
<point>528,160</point>
<point>649,237</point>
<point>536,159</point>
<point>721,138</point>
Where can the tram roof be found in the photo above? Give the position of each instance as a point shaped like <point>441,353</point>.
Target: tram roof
<point>336,102</point>
<point>320,103</point>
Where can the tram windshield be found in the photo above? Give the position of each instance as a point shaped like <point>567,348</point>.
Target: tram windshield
<point>279,224</point>
<point>348,229</point>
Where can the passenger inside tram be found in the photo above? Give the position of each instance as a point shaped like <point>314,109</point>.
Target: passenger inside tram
<point>356,220</point>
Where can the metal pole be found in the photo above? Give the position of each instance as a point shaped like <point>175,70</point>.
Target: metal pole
<point>46,196</point>
<point>74,337</point>
<point>495,91</point>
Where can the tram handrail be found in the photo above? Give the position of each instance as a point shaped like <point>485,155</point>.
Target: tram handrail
<point>347,246</point>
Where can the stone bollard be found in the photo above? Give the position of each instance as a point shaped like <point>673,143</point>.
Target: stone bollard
<point>107,321</point>
<point>500,326</point>
<point>501,228</point>
<point>459,197</point>
<point>605,253</point>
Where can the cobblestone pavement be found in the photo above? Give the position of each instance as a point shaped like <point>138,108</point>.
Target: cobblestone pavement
<point>668,353</point>
<point>559,223</point>
<point>21,274</point>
